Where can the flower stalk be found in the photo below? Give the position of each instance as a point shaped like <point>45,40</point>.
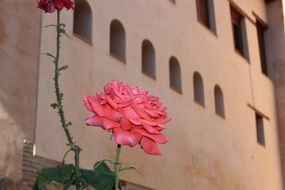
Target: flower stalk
<point>59,105</point>
<point>117,167</point>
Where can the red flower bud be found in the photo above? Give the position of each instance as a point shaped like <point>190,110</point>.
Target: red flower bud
<point>58,4</point>
<point>49,6</point>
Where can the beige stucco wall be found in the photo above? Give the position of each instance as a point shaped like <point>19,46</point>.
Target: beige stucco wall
<point>19,53</point>
<point>205,151</point>
<point>11,142</point>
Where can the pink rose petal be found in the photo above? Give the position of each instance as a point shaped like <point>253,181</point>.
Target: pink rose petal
<point>126,138</point>
<point>86,103</point>
<point>149,146</point>
<point>101,122</point>
<point>125,124</point>
<point>151,129</point>
<point>96,107</point>
<point>112,102</point>
<point>140,111</point>
<point>161,139</point>
<point>112,114</point>
<point>130,113</point>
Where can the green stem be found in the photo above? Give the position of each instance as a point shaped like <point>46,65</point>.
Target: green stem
<point>76,149</point>
<point>56,83</point>
<point>117,167</point>
<point>63,159</point>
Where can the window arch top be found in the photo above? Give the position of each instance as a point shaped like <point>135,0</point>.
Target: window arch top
<point>219,101</point>
<point>175,74</point>
<point>198,85</point>
<point>148,59</point>
<point>82,20</point>
<point>118,40</point>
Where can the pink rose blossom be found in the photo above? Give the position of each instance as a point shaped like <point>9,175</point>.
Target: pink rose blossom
<point>131,114</point>
<point>49,6</point>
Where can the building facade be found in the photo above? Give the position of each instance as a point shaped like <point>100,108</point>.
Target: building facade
<point>19,54</point>
<point>219,66</point>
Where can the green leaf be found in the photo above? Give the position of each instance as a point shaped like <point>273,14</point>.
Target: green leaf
<point>67,35</point>
<point>54,105</point>
<point>68,124</point>
<point>60,175</point>
<point>128,168</point>
<point>70,182</point>
<point>104,166</point>
<point>50,25</point>
<point>66,186</point>
<point>41,182</point>
<point>62,25</point>
<point>101,178</point>
<point>51,55</point>
<point>63,68</point>
<point>62,31</point>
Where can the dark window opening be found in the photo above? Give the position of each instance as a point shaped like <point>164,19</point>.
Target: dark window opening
<point>203,12</point>
<point>118,40</point>
<point>148,59</point>
<point>206,13</point>
<point>219,101</point>
<point>198,89</point>
<point>261,29</point>
<point>82,23</point>
<point>239,32</point>
<point>175,75</point>
<point>260,129</point>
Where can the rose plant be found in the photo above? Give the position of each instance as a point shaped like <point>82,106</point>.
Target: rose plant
<point>132,115</point>
<point>101,177</point>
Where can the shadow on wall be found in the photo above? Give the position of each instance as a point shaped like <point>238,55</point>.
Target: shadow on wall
<point>19,53</point>
<point>11,143</point>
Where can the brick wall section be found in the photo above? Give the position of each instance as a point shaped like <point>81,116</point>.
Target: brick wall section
<point>31,167</point>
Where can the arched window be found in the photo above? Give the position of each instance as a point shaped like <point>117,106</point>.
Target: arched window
<point>175,75</point>
<point>118,40</point>
<point>219,101</point>
<point>148,59</point>
<point>82,23</point>
<point>198,85</point>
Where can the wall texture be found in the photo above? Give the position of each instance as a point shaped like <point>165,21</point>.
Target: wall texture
<point>276,58</point>
<point>205,150</point>
<point>209,152</point>
<point>30,168</point>
<point>11,143</point>
<point>19,53</point>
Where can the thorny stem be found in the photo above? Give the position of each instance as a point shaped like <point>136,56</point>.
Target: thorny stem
<point>117,167</point>
<point>76,149</point>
